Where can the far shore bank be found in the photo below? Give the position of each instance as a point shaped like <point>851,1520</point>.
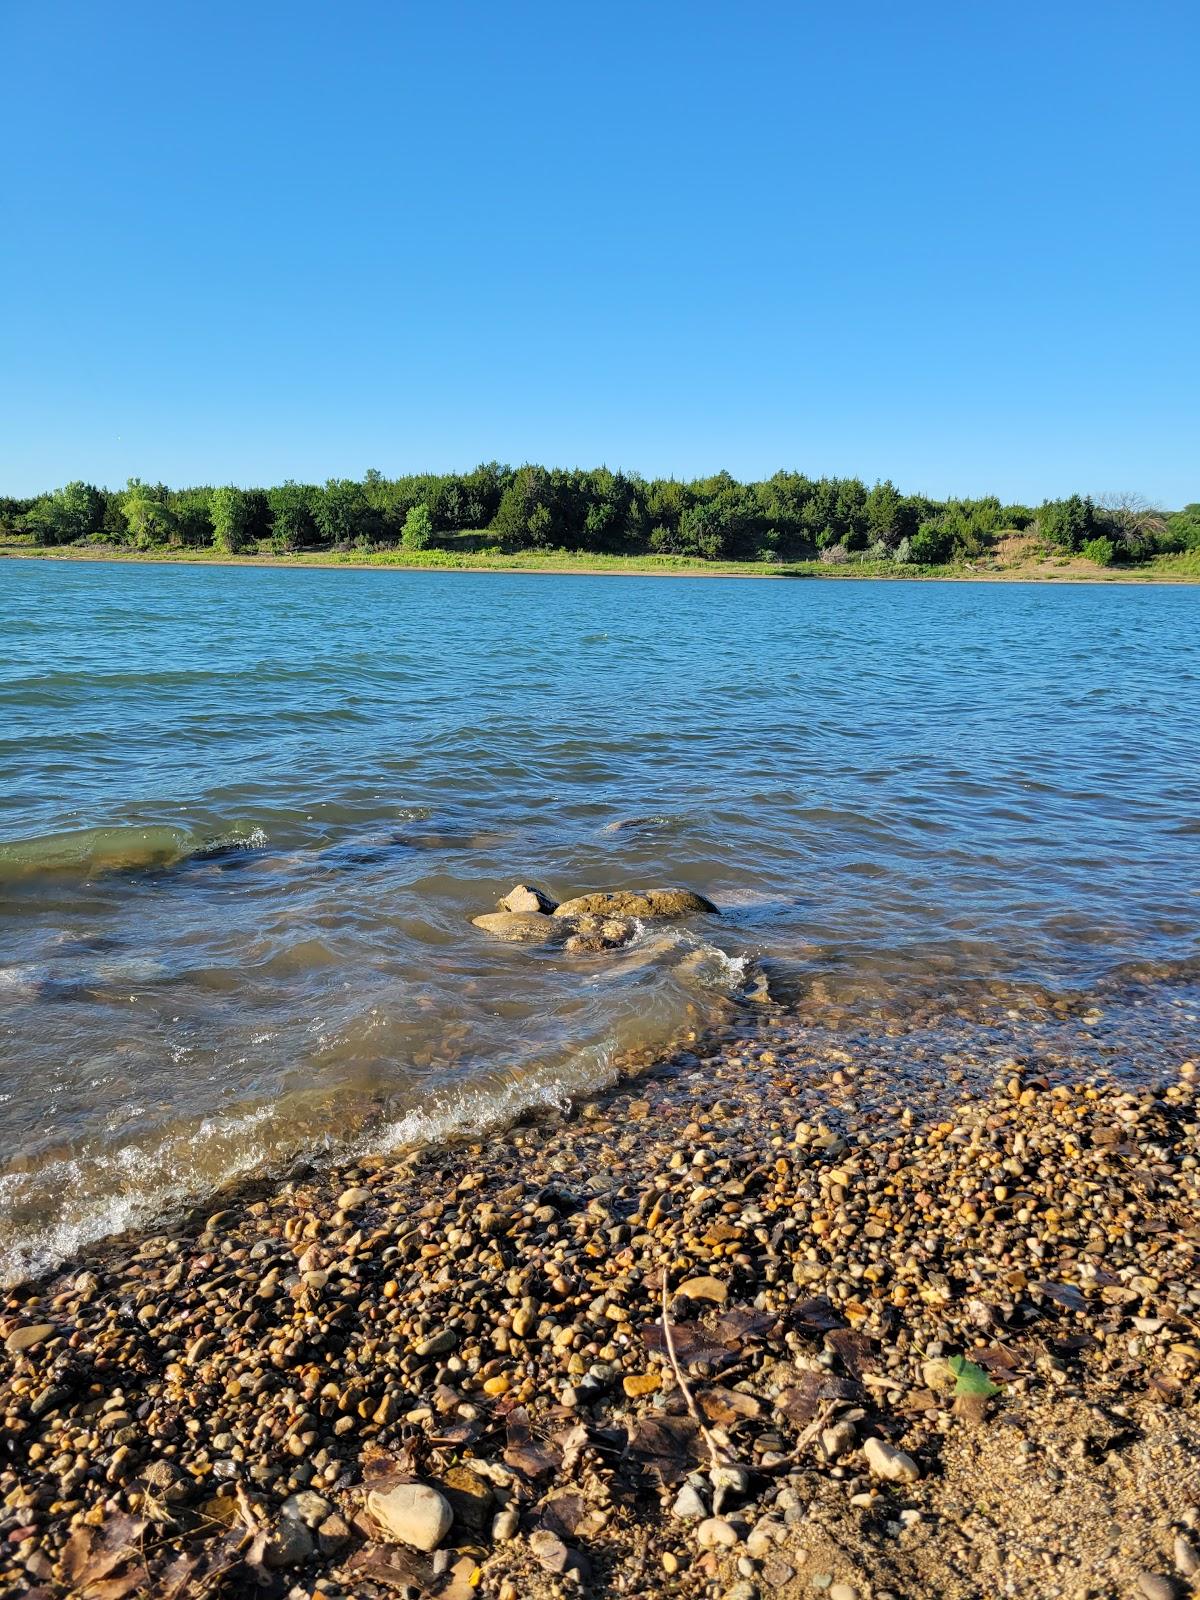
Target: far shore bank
<point>1164,570</point>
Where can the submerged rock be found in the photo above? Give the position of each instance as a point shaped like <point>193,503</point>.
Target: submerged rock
<point>521,927</point>
<point>599,933</point>
<point>644,903</point>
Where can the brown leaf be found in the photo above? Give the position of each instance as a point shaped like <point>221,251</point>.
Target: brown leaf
<point>999,1361</point>
<point>1063,1294</point>
<point>739,1324</point>
<point>855,1350</point>
<point>727,1406</point>
<point>917,1400</point>
<point>971,1408</point>
<point>388,1466</point>
<point>801,1403</point>
<point>693,1343</point>
<point>91,1554</point>
<point>815,1316</point>
<point>523,1453</point>
<point>572,1442</point>
<point>570,1517</point>
<point>455,1435</point>
<point>668,1447</point>
<point>392,1564</point>
<point>134,1580</point>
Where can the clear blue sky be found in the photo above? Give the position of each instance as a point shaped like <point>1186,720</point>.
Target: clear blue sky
<point>957,244</point>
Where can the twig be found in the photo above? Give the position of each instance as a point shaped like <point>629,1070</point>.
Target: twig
<point>669,1339</point>
<point>804,1439</point>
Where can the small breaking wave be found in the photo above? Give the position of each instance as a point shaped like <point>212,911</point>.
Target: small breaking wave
<point>146,1185</point>
<point>482,1107</point>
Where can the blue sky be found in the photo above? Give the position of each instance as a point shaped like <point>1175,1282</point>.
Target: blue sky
<point>957,245</point>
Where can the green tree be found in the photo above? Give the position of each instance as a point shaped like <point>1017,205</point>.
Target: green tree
<point>1067,523</point>
<point>293,519</point>
<point>70,513</point>
<point>148,513</point>
<point>883,514</point>
<point>418,529</point>
<point>193,517</point>
<point>931,544</point>
<point>1183,529</point>
<point>342,512</point>
<point>230,512</point>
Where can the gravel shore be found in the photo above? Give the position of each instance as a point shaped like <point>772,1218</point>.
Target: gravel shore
<point>768,1320</point>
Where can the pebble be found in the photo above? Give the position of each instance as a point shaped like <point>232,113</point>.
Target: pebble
<point>886,1461</point>
<point>505,1525</point>
<point>28,1338</point>
<point>688,1504</point>
<point>1156,1587</point>
<point>715,1533</point>
<point>436,1314</point>
<point>549,1550</point>
<point>288,1543</point>
<point>412,1513</point>
<point>704,1288</point>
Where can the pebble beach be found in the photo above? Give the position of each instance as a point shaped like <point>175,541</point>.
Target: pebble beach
<point>766,1319</point>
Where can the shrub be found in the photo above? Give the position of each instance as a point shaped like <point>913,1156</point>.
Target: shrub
<point>834,555</point>
<point>1101,551</point>
<point>418,529</point>
<point>929,545</point>
<point>229,511</point>
<point>904,552</point>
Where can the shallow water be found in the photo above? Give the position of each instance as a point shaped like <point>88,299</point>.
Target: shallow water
<point>246,816</point>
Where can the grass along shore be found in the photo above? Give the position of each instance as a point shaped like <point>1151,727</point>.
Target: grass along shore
<point>1018,563</point>
<point>761,1323</point>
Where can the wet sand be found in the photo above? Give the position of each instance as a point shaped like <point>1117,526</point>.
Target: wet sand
<point>923,1334</point>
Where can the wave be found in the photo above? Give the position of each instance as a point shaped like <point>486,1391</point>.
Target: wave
<point>91,852</point>
<point>192,1165</point>
<point>146,1186</point>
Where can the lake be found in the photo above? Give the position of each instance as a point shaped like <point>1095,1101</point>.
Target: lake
<point>247,815</point>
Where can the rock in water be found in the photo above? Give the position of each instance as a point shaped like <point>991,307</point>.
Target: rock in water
<point>521,927</point>
<point>599,933</point>
<point>412,1514</point>
<point>524,897</point>
<point>644,903</point>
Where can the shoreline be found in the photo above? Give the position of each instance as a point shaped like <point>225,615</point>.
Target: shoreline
<point>604,567</point>
<point>235,1396</point>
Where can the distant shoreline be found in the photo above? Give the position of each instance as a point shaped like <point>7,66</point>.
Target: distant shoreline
<point>570,565</point>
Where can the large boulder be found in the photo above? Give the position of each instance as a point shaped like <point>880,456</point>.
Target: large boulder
<point>524,897</point>
<point>648,904</point>
<point>522,927</point>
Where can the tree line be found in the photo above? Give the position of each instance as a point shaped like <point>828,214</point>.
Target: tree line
<point>788,517</point>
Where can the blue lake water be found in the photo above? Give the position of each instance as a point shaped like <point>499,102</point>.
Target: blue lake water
<point>246,816</point>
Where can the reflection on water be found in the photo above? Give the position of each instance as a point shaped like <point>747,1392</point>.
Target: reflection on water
<point>248,816</point>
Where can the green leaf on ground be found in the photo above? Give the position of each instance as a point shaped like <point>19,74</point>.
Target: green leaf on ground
<point>971,1379</point>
